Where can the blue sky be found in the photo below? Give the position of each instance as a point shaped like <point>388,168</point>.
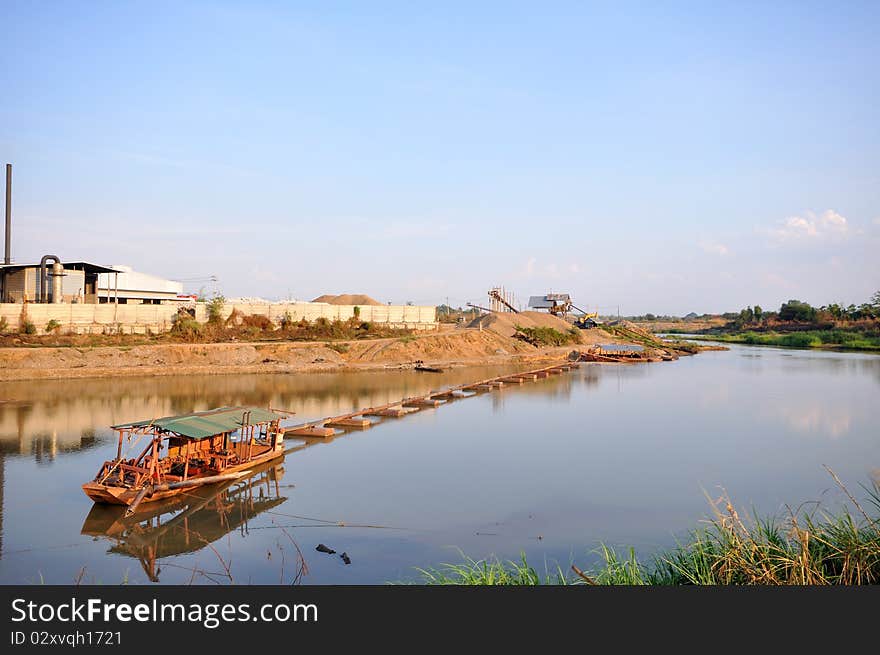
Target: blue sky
<point>690,156</point>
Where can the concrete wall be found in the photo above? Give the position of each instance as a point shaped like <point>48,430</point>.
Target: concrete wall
<point>413,317</point>
<point>138,318</point>
<point>84,318</point>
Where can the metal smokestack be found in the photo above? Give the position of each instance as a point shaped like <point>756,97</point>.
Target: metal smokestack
<point>7,254</point>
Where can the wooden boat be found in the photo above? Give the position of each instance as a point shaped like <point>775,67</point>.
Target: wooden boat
<point>420,366</point>
<point>199,448</point>
<point>186,523</point>
<point>428,369</point>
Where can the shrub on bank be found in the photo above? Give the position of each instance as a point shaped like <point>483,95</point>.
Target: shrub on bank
<point>547,336</point>
<point>187,327</point>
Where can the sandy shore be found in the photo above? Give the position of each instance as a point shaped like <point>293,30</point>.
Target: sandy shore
<point>461,347</point>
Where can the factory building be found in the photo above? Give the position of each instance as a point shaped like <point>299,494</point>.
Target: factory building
<point>87,283</point>
<point>71,282</point>
<point>127,286</point>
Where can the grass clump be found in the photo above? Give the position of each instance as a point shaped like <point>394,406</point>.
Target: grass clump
<point>492,571</point>
<point>186,327</point>
<point>801,548</point>
<point>812,549</point>
<point>547,336</point>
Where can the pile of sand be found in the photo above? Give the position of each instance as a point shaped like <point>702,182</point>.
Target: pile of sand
<point>347,299</point>
<point>505,323</point>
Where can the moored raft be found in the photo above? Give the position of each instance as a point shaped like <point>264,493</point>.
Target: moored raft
<point>186,451</point>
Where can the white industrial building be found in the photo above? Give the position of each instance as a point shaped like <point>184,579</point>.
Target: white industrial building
<point>85,283</point>
<point>128,286</point>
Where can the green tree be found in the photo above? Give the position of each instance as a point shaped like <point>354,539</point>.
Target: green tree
<point>215,308</point>
<point>758,313</point>
<point>796,310</point>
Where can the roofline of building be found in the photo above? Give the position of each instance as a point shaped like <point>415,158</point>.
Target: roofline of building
<point>95,268</point>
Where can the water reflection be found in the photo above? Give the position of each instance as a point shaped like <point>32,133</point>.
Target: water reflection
<point>44,418</point>
<point>832,421</point>
<point>621,461</point>
<point>177,526</point>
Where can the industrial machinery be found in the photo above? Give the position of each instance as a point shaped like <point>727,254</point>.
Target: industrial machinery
<point>560,304</point>
<point>586,320</point>
<point>501,300</point>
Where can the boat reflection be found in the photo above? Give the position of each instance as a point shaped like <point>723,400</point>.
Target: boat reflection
<point>189,523</point>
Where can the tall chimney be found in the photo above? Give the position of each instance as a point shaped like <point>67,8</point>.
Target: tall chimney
<point>7,253</point>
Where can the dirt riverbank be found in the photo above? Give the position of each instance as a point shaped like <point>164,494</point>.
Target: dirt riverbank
<point>446,349</point>
<point>489,341</point>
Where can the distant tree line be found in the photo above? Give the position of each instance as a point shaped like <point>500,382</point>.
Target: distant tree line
<point>797,311</point>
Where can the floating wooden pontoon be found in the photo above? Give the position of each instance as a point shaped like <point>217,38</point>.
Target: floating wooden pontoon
<point>199,448</point>
<point>326,427</point>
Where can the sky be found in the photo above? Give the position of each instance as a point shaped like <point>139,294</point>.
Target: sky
<point>652,157</point>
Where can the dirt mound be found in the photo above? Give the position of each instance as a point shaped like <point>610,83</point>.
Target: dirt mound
<point>347,299</point>
<point>505,323</point>
<point>632,327</point>
<point>457,346</point>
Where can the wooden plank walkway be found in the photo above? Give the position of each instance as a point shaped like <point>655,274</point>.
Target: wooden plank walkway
<point>326,428</point>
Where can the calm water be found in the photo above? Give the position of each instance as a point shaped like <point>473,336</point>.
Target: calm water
<point>620,454</point>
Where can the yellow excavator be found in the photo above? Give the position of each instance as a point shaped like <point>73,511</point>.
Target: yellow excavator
<point>586,320</point>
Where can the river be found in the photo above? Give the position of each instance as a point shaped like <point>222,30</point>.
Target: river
<point>624,455</point>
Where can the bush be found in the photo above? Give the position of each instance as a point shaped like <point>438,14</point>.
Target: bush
<point>53,326</point>
<point>27,327</point>
<point>547,336</point>
<point>186,326</point>
<point>258,321</point>
<point>4,325</point>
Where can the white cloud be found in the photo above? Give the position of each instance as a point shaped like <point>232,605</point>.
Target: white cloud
<point>828,225</point>
<point>714,248</point>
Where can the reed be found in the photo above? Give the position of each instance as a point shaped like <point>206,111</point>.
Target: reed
<point>814,547</point>
<point>490,571</point>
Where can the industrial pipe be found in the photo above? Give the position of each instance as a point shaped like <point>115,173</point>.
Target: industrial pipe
<point>7,253</point>
<point>44,277</point>
<point>57,280</point>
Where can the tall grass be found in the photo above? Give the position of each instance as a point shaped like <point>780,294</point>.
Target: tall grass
<point>801,548</point>
<point>491,571</point>
<point>848,340</point>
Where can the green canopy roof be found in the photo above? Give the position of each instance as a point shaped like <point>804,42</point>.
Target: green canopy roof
<point>200,425</point>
